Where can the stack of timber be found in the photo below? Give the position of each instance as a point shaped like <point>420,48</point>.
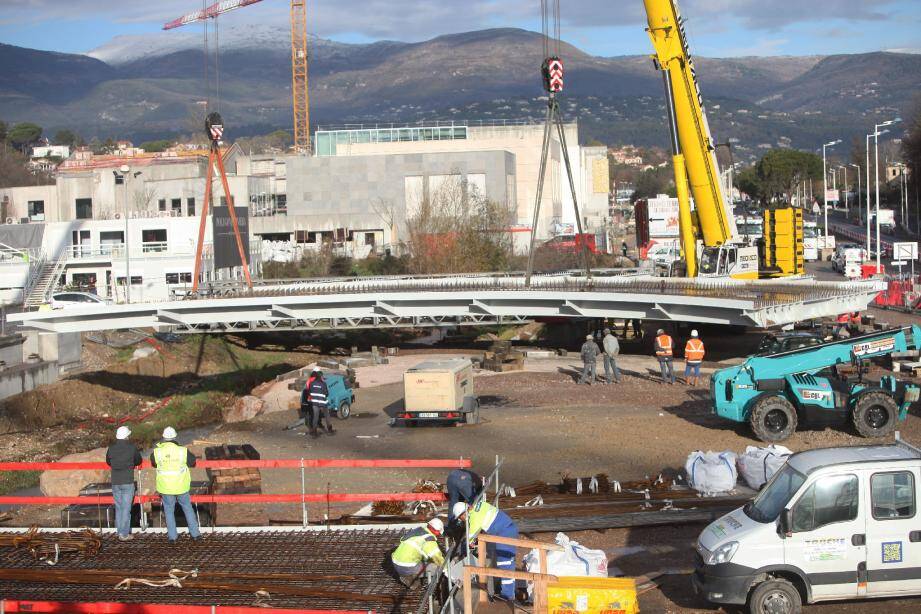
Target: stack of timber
<point>236,481</point>
<point>501,358</point>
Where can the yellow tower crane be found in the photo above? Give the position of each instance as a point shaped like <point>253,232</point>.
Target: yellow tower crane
<point>299,58</point>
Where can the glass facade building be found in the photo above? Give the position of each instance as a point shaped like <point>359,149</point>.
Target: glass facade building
<point>327,142</point>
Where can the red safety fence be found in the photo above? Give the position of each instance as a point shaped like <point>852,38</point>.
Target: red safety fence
<point>306,463</point>
<point>65,607</point>
<point>284,463</point>
<point>901,293</point>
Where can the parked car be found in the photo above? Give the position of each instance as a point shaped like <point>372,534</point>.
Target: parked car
<point>774,343</point>
<point>63,300</point>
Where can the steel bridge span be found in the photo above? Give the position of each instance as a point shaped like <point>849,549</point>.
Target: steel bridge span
<point>469,300</point>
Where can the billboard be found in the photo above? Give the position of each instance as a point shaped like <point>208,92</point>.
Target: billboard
<point>226,254</point>
<point>663,217</point>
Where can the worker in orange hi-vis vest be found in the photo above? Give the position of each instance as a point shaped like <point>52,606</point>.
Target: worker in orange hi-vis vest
<point>665,355</point>
<point>693,356</point>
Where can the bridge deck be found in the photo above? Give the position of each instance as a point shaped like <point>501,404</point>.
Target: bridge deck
<point>438,301</point>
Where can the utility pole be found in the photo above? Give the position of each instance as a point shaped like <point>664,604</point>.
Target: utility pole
<point>876,134</point>
<point>825,187</point>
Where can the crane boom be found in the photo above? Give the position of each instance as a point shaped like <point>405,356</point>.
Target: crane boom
<point>666,30</point>
<point>210,12</point>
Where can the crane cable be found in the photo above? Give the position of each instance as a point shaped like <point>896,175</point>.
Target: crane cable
<point>550,20</point>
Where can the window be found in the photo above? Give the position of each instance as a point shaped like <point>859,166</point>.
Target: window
<point>281,202</point>
<point>176,205</point>
<point>154,239</point>
<point>224,200</point>
<point>37,210</point>
<point>185,278</point>
<point>161,204</point>
<point>305,236</point>
<point>893,495</point>
<point>84,208</point>
<point>136,280</point>
<point>369,238</point>
<point>829,500</point>
<point>172,278</point>
<point>190,207</point>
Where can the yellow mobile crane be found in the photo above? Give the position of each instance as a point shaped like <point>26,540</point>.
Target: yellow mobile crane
<point>723,252</point>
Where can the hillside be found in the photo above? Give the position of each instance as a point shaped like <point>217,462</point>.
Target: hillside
<point>152,83</point>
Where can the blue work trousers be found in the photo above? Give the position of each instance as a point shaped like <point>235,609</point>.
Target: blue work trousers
<point>460,488</point>
<point>169,510</point>
<point>667,368</point>
<point>503,526</point>
<point>123,494</point>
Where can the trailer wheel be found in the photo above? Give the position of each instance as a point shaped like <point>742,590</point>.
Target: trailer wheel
<point>773,418</point>
<point>344,411</point>
<point>775,597</point>
<point>875,414</point>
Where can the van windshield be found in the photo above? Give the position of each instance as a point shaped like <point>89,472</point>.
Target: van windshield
<point>766,507</point>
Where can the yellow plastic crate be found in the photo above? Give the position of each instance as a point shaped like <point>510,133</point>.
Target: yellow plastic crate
<point>573,595</point>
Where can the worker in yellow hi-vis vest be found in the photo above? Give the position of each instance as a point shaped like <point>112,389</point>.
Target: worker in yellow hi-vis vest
<point>492,521</point>
<point>174,480</point>
<point>419,552</point>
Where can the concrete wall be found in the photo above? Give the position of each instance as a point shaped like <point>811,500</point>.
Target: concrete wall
<point>33,359</point>
<point>368,192</point>
<point>522,141</point>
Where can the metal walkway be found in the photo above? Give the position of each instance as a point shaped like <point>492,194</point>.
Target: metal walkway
<point>471,300</point>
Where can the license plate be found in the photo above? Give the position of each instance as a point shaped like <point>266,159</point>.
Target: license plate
<point>429,415</point>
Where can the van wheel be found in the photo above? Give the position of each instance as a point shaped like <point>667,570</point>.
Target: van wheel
<point>344,411</point>
<point>775,597</point>
<point>875,414</point>
<point>773,419</point>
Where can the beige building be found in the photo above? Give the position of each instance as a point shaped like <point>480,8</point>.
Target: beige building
<point>524,141</point>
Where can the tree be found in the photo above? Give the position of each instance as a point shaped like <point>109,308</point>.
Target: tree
<point>156,146</point>
<point>3,130</point>
<point>15,171</point>
<point>781,170</point>
<point>911,150</point>
<point>67,137</point>
<point>750,183</point>
<point>24,135</point>
<point>653,182</point>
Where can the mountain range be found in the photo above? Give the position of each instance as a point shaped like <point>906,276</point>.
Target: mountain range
<point>151,86</point>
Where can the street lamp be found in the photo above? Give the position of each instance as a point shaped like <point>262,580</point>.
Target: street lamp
<point>857,166</point>
<point>825,186</point>
<point>847,210</point>
<point>876,134</point>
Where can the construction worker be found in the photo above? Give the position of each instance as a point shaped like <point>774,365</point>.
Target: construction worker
<point>589,353</point>
<point>174,480</point>
<point>693,356</point>
<point>463,485</point>
<point>319,402</point>
<point>123,456</point>
<point>841,323</point>
<point>418,552</point>
<point>611,351</point>
<point>665,355</point>
<point>492,521</point>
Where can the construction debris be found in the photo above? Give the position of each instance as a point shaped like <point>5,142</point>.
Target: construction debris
<point>238,481</point>
<point>501,358</point>
<point>48,547</point>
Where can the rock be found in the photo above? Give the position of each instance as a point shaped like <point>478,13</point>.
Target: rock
<point>245,408</point>
<point>69,483</point>
<point>143,352</point>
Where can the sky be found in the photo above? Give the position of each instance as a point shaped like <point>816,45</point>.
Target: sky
<point>716,28</point>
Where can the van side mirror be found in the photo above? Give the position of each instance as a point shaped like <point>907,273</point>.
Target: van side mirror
<point>786,523</point>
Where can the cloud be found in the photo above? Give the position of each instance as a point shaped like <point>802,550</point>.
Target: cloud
<point>416,19</point>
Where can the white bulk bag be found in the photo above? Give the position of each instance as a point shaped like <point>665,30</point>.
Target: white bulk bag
<point>757,465</point>
<point>711,472</point>
<point>573,560</point>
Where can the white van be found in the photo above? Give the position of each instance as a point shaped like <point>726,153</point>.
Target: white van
<point>836,523</point>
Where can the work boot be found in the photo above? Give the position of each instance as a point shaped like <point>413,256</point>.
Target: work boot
<point>314,433</point>
<point>329,429</point>
<point>125,538</point>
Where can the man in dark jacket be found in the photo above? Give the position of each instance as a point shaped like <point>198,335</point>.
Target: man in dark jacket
<point>463,485</point>
<point>318,394</point>
<point>123,456</point>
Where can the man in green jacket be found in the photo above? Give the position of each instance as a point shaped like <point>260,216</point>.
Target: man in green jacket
<point>174,480</point>
<point>418,551</point>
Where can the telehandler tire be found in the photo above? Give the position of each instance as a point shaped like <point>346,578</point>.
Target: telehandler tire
<point>773,419</point>
<point>876,414</point>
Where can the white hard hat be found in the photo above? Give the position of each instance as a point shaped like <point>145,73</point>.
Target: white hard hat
<point>169,433</point>
<point>694,333</point>
<point>588,337</point>
<point>437,526</point>
<point>459,509</point>
<point>123,432</point>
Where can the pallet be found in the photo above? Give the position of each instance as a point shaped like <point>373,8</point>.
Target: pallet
<point>234,481</point>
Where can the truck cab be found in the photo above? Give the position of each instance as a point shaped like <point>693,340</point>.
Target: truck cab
<point>831,524</point>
